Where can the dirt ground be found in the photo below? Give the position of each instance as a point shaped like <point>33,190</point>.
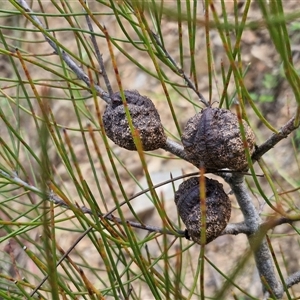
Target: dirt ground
<point>259,54</point>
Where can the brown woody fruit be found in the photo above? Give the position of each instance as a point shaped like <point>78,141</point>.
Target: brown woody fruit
<point>212,139</point>
<point>145,119</point>
<point>218,208</point>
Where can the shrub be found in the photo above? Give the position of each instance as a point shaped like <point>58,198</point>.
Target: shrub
<point>73,220</point>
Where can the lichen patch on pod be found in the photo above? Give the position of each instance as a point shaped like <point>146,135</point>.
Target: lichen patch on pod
<point>212,138</point>
<point>218,208</point>
<point>145,119</point>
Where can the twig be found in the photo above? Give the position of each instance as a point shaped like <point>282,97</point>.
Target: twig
<point>236,182</point>
<point>293,279</point>
<point>61,259</point>
<point>66,58</point>
<point>179,70</point>
<point>58,201</point>
<point>264,263</point>
<point>99,56</point>
<point>236,228</point>
<point>274,139</point>
<point>176,149</point>
<point>257,241</point>
<point>274,222</point>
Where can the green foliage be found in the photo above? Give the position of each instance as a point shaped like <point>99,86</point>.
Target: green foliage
<point>68,229</point>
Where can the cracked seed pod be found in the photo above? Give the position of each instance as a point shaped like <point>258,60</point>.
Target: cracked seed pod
<point>144,116</point>
<point>213,137</point>
<point>218,208</point>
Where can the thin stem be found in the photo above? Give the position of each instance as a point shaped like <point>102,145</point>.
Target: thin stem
<point>58,201</point>
<point>179,70</point>
<point>236,228</point>
<point>274,139</point>
<point>256,238</point>
<point>66,58</point>
<point>293,279</point>
<point>252,219</point>
<point>176,149</point>
<point>99,56</point>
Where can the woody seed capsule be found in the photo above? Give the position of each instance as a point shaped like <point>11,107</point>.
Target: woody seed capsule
<point>145,119</point>
<point>218,208</point>
<point>212,138</point>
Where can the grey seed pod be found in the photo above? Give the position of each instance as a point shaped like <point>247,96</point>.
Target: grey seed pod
<point>218,208</point>
<point>212,138</point>
<point>144,116</point>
